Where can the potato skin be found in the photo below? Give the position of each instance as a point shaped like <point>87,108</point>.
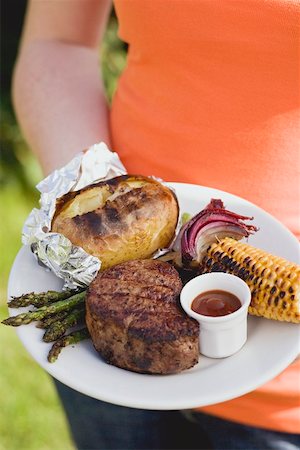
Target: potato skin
<point>131,225</point>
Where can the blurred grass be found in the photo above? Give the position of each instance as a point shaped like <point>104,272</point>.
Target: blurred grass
<point>31,416</point>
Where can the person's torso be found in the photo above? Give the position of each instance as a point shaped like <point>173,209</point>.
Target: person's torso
<point>210,95</point>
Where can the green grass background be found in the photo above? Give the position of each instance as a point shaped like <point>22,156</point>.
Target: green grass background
<point>31,416</point>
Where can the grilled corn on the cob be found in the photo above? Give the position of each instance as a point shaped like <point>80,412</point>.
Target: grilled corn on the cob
<point>273,281</point>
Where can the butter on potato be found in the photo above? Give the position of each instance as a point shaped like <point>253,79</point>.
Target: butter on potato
<point>125,218</point>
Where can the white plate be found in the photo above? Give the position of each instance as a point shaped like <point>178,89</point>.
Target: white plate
<point>270,348</point>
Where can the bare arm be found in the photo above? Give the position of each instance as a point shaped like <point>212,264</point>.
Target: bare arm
<point>57,90</point>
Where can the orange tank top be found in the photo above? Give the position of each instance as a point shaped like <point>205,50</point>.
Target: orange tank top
<point>210,95</point>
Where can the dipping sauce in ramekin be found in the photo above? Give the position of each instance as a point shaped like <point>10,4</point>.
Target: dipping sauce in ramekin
<point>216,303</point>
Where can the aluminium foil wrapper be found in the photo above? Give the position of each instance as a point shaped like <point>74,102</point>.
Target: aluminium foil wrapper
<point>69,262</point>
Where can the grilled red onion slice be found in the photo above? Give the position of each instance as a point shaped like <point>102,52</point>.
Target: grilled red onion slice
<point>212,223</point>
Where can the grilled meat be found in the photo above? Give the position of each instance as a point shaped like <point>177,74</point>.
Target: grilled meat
<point>136,322</point>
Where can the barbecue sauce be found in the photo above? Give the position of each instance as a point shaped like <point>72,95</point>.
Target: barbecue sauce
<point>216,303</point>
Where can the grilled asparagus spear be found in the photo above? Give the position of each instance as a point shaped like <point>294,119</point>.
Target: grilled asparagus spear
<point>44,311</point>
<point>58,328</point>
<point>41,299</point>
<point>49,320</point>
<point>70,339</point>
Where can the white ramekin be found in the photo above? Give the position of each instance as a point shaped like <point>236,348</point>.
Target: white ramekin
<point>224,335</point>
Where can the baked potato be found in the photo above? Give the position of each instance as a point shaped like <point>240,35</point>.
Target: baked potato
<point>121,219</point>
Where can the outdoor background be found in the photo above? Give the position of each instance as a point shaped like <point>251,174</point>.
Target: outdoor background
<point>30,413</point>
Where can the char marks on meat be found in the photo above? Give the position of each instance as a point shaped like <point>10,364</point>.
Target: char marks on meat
<point>135,319</point>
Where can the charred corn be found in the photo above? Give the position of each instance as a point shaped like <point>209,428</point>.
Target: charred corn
<point>274,282</point>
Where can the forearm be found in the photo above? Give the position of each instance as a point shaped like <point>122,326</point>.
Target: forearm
<point>59,100</point>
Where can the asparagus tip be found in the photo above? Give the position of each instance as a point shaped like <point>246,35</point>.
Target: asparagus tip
<point>6,321</point>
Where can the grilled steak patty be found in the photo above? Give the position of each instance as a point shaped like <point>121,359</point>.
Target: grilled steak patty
<point>136,321</point>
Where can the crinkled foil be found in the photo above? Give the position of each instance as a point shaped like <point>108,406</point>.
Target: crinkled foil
<point>69,262</point>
